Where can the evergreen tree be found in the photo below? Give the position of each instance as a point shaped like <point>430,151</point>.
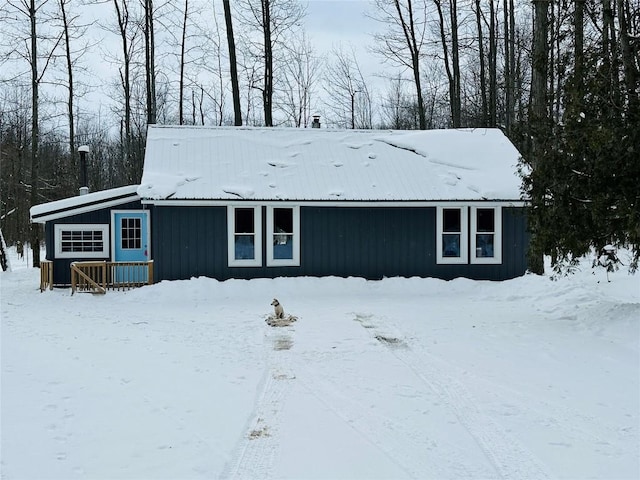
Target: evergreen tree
<point>584,189</point>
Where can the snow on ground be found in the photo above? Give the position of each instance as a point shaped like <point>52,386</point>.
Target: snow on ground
<point>401,378</point>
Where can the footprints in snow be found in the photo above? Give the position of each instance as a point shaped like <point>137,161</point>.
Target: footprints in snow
<point>387,339</point>
<point>259,447</point>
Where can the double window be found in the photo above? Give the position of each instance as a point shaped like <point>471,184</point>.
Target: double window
<point>81,241</point>
<point>469,235</point>
<point>281,238</point>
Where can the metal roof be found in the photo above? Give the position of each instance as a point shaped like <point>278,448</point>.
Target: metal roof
<point>244,163</point>
<point>83,203</point>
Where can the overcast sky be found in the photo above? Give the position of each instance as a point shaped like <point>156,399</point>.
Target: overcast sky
<point>328,23</point>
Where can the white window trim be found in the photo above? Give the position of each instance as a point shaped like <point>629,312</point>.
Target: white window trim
<point>497,236</point>
<point>231,230</point>
<point>464,235</point>
<point>276,262</point>
<point>59,228</point>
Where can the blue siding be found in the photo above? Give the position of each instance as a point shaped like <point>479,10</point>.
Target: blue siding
<point>189,242</point>
<point>369,242</point>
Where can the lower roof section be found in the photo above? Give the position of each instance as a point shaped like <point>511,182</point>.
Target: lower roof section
<point>83,203</point>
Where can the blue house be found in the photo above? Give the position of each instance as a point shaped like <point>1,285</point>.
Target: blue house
<point>236,202</point>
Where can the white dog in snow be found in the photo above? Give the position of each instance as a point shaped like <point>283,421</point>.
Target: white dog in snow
<point>279,311</point>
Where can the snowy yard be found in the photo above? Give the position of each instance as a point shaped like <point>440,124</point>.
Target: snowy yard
<point>402,378</point>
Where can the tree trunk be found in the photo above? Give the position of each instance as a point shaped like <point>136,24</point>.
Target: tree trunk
<point>267,93</point>
<point>608,30</point>
<point>445,52</point>
<point>150,70</point>
<point>455,58</point>
<point>35,134</point>
<point>493,68</point>
<point>67,42</point>
<point>125,79</point>
<point>538,114</point>
<point>235,88</point>
<point>631,73</point>
<point>408,28</point>
<point>508,107</point>
<point>182,61</point>
<point>511,85</point>
<point>483,82</point>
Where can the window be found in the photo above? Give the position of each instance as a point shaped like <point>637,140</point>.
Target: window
<point>486,235</point>
<point>469,235</point>
<point>283,236</point>
<point>81,241</point>
<point>245,236</point>
<point>451,241</point>
<point>131,229</point>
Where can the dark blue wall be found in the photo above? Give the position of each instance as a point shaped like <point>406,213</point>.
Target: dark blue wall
<point>369,242</point>
<point>343,241</point>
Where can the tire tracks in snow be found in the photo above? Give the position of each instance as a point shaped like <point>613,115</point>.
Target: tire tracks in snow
<point>510,459</point>
<point>385,434</point>
<point>259,446</point>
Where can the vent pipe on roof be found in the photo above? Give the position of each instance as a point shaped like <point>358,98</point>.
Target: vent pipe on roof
<point>316,121</point>
<point>84,183</point>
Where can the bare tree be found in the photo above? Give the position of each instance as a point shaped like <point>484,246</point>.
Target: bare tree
<point>399,110</point>
<point>509,64</point>
<point>233,64</point>
<point>274,19</point>
<point>127,32</point>
<point>31,12</point>
<point>150,59</point>
<point>348,96</point>
<point>183,45</point>
<point>451,69</point>
<point>404,39</point>
<point>72,33</point>
<point>15,120</point>
<point>483,78</point>
<point>299,76</point>
<point>493,65</point>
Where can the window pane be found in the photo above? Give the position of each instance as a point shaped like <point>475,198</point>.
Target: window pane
<point>484,245</point>
<point>283,220</point>
<point>244,220</point>
<point>283,247</point>
<point>451,245</point>
<point>245,247</point>
<point>486,220</point>
<point>131,229</point>
<point>451,220</point>
<point>77,241</point>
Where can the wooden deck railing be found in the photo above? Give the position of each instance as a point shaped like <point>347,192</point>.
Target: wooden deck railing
<point>97,277</point>
<point>46,275</point>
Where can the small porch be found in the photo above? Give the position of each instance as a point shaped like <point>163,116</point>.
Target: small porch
<point>100,276</point>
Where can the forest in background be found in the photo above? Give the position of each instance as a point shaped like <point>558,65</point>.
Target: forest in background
<point>560,78</point>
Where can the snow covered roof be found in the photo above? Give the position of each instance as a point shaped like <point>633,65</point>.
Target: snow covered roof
<point>83,203</point>
<point>186,163</point>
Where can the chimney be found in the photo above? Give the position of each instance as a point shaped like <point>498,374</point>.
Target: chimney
<point>316,121</point>
<point>84,183</point>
